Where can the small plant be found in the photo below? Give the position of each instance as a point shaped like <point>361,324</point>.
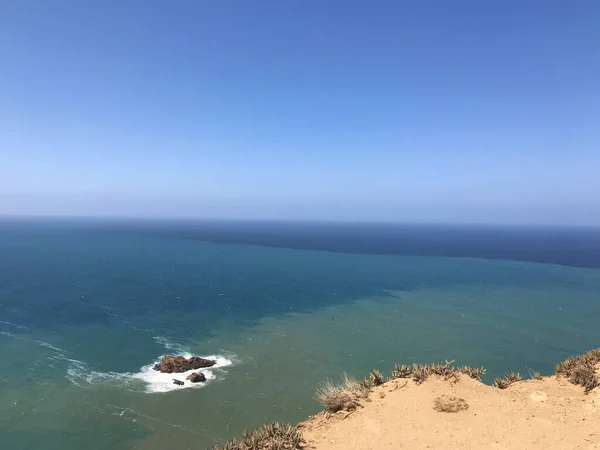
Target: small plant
<point>445,370</point>
<point>501,383</point>
<point>535,375</point>
<point>377,378</point>
<point>585,375</point>
<point>273,436</point>
<point>373,380</point>
<point>581,369</point>
<point>566,367</point>
<point>401,371</point>
<point>449,404</point>
<point>474,372</point>
<point>513,377</point>
<point>510,378</point>
<point>342,397</point>
<point>420,372</point>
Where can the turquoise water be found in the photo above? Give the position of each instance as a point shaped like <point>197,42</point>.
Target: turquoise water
<point>82,316</point>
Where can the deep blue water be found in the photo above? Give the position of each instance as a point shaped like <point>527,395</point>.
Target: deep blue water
<point>573,246</point>
<point>85,305</point>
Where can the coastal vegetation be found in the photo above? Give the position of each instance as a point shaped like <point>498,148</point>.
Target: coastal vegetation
<point>342,397</point>
<point>581,369</point>
<point>537,376</point>
<point>420,372</point>
<point>509,378</point>
<point>273,436</point>
<point>349,395</point>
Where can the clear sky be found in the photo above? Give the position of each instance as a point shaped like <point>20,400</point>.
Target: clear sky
<point>460,111</point>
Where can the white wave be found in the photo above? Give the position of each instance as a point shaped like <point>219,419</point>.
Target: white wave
<point>111,312</point>
<point>154,381</point>
<point>168,344</point>
<point>163,382</point>
<point>79,372</point>
<point>50,346</point>
<point>16,325</point>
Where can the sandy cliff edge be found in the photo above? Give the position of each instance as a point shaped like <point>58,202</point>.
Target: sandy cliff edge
<point>442,406</point>
<point>550,413</point>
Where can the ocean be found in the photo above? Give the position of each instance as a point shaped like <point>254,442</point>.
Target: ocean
<point>87,306</point>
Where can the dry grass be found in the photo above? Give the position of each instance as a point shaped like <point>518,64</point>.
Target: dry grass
<point>373,380</point>
<point>342,397</point>
<point>513,377</point>
<point>535,375</point>
<point>500,383</point>
<point>273,436</point>
<point>347,395</point>
<point>581,369</point>
<point>510,378</point>
<point>420,372</point>
<point>473,372</point>
<point>401,371</point>
<point>450,404</point>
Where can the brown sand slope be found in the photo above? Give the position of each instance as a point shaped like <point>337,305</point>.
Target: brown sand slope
<point>547,414</point>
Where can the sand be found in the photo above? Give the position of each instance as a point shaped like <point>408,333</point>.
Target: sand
<point>534,414</point>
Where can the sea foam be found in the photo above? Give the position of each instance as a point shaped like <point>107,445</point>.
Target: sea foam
<point>152,381</point>
<point>163,382</point>
<point>169,344</point>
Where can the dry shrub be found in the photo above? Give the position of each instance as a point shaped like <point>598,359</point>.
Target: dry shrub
<point>401,371</point>
<point>420,372</point>
<point>585,375</point>
<point>500,383</point>
<point>376,378</point>
<point>474,372</point>
<point>342,397</point>
<point>450,404</point>
<point>273,436</point>
<point>535,375</point>
<point>373,380</point>
<point>581,369</point>
<point>510,378</point>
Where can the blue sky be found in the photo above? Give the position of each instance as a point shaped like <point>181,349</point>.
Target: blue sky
<point>462,111</point>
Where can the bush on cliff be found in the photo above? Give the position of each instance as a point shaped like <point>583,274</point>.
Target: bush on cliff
<point>581,369</point>
<point>272,436</point>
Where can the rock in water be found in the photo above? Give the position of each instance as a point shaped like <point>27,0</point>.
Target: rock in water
<point>178,364</point>
<point>196,377</point>
<point>177,382</point>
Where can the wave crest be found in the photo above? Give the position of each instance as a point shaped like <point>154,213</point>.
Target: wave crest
<point>163,382</point>
<point>150,380</point>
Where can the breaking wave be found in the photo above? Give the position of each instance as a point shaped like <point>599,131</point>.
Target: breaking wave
<point>146,379</point>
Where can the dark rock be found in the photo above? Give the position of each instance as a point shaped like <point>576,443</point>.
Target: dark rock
<point>196,377</point>
<point>177,382</point>
<point>178,364</point>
